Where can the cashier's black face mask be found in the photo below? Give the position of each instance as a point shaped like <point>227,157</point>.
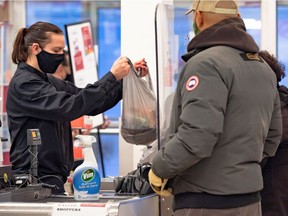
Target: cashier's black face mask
<point>49,62</point>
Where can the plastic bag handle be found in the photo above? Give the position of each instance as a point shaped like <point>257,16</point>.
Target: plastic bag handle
<point>133,68</point>
<point>137,74</point>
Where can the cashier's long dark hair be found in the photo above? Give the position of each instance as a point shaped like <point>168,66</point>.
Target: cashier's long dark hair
<point>39,33</point>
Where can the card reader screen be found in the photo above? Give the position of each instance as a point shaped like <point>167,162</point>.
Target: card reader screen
<point>34,134</point>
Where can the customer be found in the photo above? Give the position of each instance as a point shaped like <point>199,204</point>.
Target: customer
<point>63,72</point>
<point>275,170</point>
<point>64,68</point>
<point>38,100</point>
<point>225,118</point>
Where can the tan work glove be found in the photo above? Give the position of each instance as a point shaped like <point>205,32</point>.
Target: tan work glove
<point>158,184</point>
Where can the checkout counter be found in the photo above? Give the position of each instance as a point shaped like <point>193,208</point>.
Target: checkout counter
<point>109,204</point>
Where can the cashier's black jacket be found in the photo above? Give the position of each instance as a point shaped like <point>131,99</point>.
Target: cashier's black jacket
<point>38,101</point>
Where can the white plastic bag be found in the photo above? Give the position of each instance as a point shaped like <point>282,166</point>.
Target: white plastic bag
<point>139,109</point>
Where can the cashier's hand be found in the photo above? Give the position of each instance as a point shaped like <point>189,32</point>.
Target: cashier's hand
<point>120,68</point>
<point>158,184</point>
<point>142,67</point>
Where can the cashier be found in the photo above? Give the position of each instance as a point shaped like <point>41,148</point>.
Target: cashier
<point>37,100</point>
